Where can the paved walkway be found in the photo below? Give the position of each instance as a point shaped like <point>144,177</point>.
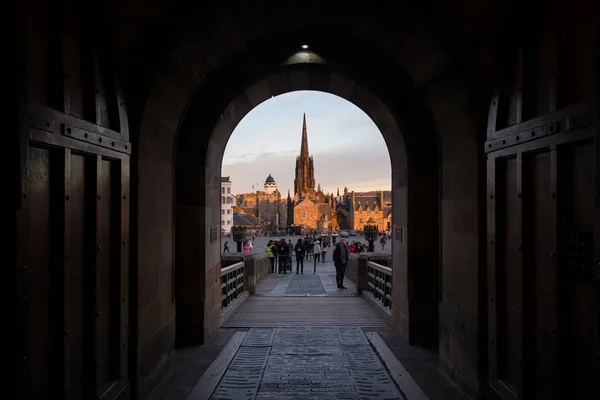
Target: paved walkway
<point>306,363</point>
<point>302,338</point>
<point>306,342</point>
<point>321,283</point>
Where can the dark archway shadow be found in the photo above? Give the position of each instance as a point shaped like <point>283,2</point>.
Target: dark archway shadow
<point>371,82</point>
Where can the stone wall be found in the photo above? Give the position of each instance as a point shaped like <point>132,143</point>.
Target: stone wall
<point>352,267</point>
<point>257,267</point>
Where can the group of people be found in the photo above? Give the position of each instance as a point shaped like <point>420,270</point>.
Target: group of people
<point>280,255</point>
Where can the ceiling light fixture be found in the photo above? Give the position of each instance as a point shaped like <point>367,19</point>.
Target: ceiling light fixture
<point>304,46</point>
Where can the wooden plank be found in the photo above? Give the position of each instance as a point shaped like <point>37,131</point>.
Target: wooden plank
<point>209,381</point>
<point>37,273</point>
<point>491,271</point>
<point>518,95</point>
<point>276,311</point>
<point>406,383</point>
<point>77,258</point>
<point>71,62</point>
<point>493,116</point>
<point>122,204</point>
<point>69,373</point>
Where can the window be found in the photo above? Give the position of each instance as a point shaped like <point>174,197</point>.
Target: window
<point>222,212</point>
<point>222,222</point>
<point>228,211</point>
<point>228,190</point>
<point>228,222</point>
<point>223,190</point>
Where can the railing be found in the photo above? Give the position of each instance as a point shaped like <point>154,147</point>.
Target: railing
<point>379,284</point>
<point>232,283</point>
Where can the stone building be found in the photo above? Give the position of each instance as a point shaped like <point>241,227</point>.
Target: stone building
<point>310,208</point>
<point>313,209</point>
<point>227,203</point>
<point>353,209</point>
<point>266,205</point>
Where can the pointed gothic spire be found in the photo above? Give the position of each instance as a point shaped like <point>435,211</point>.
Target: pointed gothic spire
<point>288,193</point>
<point>338,192</point>
<point>304,145</point>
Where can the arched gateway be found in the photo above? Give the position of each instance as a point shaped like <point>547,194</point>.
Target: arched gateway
<point>120,115</point>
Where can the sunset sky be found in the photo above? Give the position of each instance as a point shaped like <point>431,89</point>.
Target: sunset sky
<point>341,137</point>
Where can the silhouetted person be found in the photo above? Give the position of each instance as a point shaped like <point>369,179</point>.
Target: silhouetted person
<point>284,256</point>
<point>226,247</point>
<point>299,249</point>
<point>306,245</point>
<point>340,260</point>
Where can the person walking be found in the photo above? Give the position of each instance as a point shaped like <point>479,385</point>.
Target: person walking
<point>317,255</point>
<point>306,244</point>
<point>340,260</point>
<point>269,251</point>
<point>284,257</point>
<point>226,247</point>
<point>299,249</point>
<point>324,247</point>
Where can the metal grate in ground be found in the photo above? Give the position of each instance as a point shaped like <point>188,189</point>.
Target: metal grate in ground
<point>307,363</point>
<point>242,378</point>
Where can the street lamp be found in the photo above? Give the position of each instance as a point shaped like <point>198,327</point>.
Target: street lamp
<point>239,235</point>
<point>371,230</point>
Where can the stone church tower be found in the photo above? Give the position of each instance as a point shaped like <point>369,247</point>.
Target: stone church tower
<point>305,170</point>
<point>270,185</point>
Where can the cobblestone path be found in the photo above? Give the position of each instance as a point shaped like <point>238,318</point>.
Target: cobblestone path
<point>321,283</point>
<point>307,363</point>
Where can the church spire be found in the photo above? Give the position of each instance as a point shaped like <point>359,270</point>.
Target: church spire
<point>304,146</point>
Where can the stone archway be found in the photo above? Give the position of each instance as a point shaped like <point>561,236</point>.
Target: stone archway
<point>204,134</point>
<point>203,113</point>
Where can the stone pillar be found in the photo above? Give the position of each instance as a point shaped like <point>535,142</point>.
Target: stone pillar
<point>361,274</point>
<point>250,274</point>
<point>256,266</point>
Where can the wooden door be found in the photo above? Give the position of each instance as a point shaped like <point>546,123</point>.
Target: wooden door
<point>578,289</point>
<point>73,218</point>
<point>543,208</point>
<point>542,279</point>
<point>73,260</point>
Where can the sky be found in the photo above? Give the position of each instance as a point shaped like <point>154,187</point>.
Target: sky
<point>341,138</point>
